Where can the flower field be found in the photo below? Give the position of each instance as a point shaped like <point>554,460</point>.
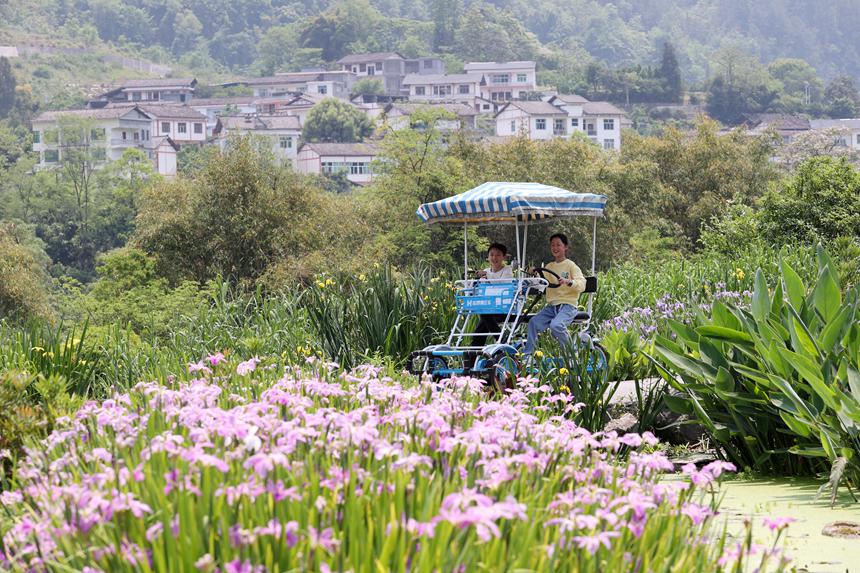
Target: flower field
<point>247,467</point>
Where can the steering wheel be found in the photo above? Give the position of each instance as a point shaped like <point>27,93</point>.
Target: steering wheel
<point>539,271</point>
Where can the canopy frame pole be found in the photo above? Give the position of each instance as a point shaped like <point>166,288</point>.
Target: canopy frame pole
<point>593,263</point>
<point>517,233</point>
<point>465,251</point>
<point>525,240</point>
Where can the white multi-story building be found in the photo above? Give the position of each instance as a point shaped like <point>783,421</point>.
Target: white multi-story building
<point>505,81</point>
<point>353,159</point>
<point>105,133</point>
<point>463,88</point>
<point>283,131</point>
<point>183,124</point>
<point>562,116</point>
<point>535,119</point>
<point>162,90</point>
<point>848,130</point>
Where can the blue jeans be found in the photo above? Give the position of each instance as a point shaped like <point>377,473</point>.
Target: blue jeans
<point>556,317</point>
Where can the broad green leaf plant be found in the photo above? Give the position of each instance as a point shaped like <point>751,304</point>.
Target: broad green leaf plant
<point>776,384</point>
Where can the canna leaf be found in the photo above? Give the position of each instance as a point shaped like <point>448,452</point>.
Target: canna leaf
<point>811,372</point>
<point>724,333</point>
<point>832,333</point>
<point>793,285</point>
<point>761,299</point>
<point>826,296</point>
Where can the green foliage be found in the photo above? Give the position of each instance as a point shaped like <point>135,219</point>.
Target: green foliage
<point>23,280</point>
<point>841,97</point>
<point>7,87</point>
<point>777,384</point>
<point>368,86</point>
<point>488,34</point>
<point>741,86</point>
<point>336,121</point>
<point>820,203</point>
<point>242,216</point>
<point>670,71</point>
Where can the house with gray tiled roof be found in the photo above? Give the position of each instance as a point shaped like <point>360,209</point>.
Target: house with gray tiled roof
<point>104,133</point>
<point>163,90</point>
<point>562,116</point>
<point>282,131</point>
<point>462,116</point>
<point>390,68</point>
<point>463,88</point>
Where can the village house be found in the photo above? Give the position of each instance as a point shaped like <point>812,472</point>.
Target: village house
<point>353,159</point>
<point>787,126</point>
<point>282,131</point>
<point>399,115</point>
<point>562,116</point>
<point>316,82</point>
<point>848,130</point>
<point>162,90</point>
<point>105,133</point>
<point>390,68</point>
<point>535,119</point>
<point>505,81</point>
<point>462,88</point>
<point>297,105</point>
<point>183,124</point>
<point>213,107</point>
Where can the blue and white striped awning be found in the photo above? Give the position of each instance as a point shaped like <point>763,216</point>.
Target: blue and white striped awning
<point>510,202</point>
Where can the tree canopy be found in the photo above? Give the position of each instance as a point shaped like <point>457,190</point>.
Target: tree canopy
<point>333,120</point>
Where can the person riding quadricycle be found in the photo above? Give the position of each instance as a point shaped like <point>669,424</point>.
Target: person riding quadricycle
<point>502,304</point>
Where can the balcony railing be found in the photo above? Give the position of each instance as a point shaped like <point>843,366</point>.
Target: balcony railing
<point>592,133</point>
<point>119,142</point>
<point>558,132</point>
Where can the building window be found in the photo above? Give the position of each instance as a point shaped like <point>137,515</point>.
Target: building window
<point>165,127</point>
<point>97,134</point>
<point>371,71</point>
<point>608,144</point>
<point>441,90</point>
<point>427,64</point>
<point>522,78</point>
<point>463,89</point>
<point>135,96</point>
<point>153,96</point>
<point>286,142</point>
<point>322,90</point>
<point>98,154</point>
<point>146,137</point>
<point>198,128</point>
<point>513,126</point>
<point>500,96</point>
<point>37,137</point>
<point>608,124</point>
<point>124,136</point>
<point>540,124</point>
<point>574,122</point>
<point>52,156</point>
<point>420,90</point>
<point>362,67</point>
<point>500,78</point>
<point>558,127</point>
<point>486,106</point>
<point>136,136</point>
<point>329,167</point>
<point>858,138</point>
<point>181,127</point>
<point>359,168</point>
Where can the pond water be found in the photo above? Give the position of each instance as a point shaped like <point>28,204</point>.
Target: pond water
<point>811,551</point>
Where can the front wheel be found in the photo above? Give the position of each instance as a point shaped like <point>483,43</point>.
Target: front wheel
<point>504,369</point>
<point>597,364</point>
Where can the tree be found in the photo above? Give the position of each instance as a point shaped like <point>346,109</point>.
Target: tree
<point>333,120</point>
<point>446,16</point>
<point>741,86</point>
<point>841,97</point>
<point>488,34</point>
<point>368,86</point>
<point>23,280</point>
<point>801,87</point>
<point>242,216</point>
<point>821,203</point>
<point>671,73</point>
<point>7,87</point>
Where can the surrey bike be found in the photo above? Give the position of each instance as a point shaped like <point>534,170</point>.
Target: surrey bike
<point>521,205</point>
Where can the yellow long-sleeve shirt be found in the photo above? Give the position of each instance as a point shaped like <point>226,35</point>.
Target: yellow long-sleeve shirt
<point>566,269</point>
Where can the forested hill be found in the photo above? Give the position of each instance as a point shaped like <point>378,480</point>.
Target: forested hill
<point>259,36</point>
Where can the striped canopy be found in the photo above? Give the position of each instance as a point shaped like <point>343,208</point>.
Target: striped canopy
<point>510,202</point>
